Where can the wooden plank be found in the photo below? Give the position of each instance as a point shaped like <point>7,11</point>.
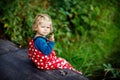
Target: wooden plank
<point>15,65</point>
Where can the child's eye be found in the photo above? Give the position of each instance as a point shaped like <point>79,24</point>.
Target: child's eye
<point>48,27</point>
<point>42,26</point>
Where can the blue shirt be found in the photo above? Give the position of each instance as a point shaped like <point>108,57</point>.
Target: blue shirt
<point>43,45</point>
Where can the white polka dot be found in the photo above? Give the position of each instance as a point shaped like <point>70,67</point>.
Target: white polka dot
<point>32,58</point>
<point>30,43</point>
<point>46,56</point>
<point>65,67</point>
<point>49,63</point>
<point>35,53</point>
<point>35,50</point>
<point>38,67</point>
<point>29,48</point>
<point>57,60</point>
<point>35,60</point>
<point>63,63</point>
<point>38,55</point>
<point>41,67</point>
<point>55,57</point>
<point>60,58</point>
<point>53,61</point>
<point>30,54</point>
<point>46,66</point>
<point>58,64</point>
<point>41,60</point>
<point>52,66</point>
<point>42,57</point>
<point>32,49</point>
<point>60,67</point>
<point>41,63</point>
<point>38,63</point>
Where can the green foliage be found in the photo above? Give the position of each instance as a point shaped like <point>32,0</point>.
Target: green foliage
<point>85,31</point>
<point>109,68</point>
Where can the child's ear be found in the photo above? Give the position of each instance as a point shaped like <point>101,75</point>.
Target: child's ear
<point>51,29</point>
<point>35,28</point>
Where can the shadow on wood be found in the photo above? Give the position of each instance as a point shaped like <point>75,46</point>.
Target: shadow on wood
<point>15,65</point>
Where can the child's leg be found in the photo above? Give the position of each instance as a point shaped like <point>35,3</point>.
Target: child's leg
<point>63,64</point>
<point>77,71</point>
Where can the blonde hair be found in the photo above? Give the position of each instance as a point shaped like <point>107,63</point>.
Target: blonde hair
<point>40,18</point>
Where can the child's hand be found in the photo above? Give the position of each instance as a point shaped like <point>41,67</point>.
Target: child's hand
<point>51,37</point>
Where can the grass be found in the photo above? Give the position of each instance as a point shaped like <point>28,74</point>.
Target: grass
<point>83,56</point>
<point>88,54</point>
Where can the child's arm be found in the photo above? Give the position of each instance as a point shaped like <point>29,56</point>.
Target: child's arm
<point>43,46</point>
<point>52,38</point>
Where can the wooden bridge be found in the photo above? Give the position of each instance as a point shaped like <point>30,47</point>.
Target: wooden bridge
<point>15,65</point>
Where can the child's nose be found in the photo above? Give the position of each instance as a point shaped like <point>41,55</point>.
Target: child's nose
<point>45,29</point>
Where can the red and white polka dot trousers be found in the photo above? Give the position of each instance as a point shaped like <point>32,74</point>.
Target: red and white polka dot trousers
<point>46,62</point>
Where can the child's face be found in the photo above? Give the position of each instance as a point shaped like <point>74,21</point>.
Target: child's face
<point>44,28</point>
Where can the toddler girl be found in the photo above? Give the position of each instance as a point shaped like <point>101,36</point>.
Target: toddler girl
<point>41,50</point>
